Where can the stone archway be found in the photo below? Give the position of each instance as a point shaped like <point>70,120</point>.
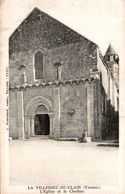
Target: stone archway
<point>38,105</point>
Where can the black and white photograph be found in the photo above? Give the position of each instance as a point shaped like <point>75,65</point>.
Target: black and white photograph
<point>64,87</point>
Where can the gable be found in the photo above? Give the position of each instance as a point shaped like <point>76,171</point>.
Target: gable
<point>41,29</point>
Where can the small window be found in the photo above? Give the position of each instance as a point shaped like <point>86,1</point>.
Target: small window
<point>38,65</point>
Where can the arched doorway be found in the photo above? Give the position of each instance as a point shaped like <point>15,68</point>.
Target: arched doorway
<point>39,116</point>
<point>41,124</point>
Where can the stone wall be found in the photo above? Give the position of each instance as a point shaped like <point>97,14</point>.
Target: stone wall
<point>57,42</point>
<point>65,99</point>
<point>76,60</point>
<point>73,110</point>
<point>13,130</point>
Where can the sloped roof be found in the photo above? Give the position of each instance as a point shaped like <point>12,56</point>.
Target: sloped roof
<point>110,51</point>
<point>54,32</point>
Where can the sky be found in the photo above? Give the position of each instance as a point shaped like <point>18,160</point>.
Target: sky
<point>101,21</point>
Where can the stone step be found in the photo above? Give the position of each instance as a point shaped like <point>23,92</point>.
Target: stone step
<point>68,139</point>
<point>39,137</point>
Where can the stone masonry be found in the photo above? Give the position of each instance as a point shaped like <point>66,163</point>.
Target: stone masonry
<point>73,96</point>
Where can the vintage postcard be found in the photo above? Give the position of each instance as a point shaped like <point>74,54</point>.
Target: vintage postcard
<point>62,96</point>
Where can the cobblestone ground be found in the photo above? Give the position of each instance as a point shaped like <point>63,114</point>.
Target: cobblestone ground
<point>53,162</point>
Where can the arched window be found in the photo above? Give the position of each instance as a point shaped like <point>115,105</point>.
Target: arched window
<point>38,65</point>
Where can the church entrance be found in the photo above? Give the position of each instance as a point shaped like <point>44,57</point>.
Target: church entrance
<point>42,124</point>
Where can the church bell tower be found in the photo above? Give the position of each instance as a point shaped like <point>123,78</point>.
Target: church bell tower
<point>112,60</point>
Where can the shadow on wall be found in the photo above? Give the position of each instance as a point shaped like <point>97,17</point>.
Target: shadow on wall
<point>110,119</point>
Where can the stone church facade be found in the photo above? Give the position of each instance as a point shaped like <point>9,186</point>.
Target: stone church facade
<point>59,82</point>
